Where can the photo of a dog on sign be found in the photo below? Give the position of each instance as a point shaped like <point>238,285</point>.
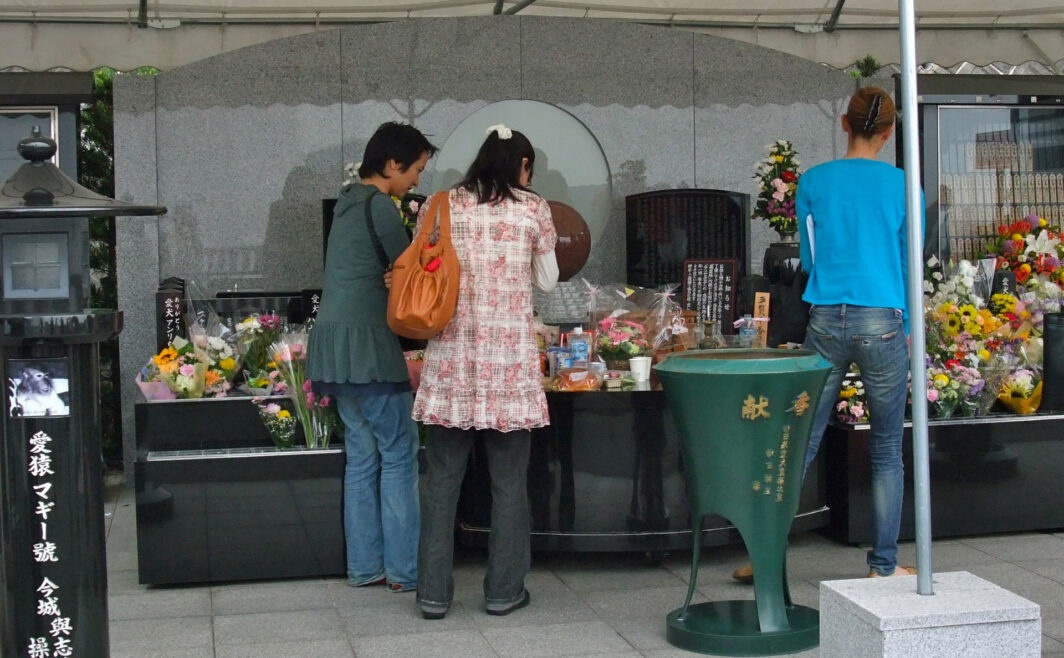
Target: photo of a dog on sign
<point>38,388</point>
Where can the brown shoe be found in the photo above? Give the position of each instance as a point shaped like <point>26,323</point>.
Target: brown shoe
<point>744,574</point>
<point>898,571</point>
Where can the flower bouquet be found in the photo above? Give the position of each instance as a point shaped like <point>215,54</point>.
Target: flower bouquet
<point>852,406</point>
<point>1021,390</point>
<point>943,393</point>
<point>178,371</point>
<point>254,336</point>
<point>777,177</point>
<point>289,354</point>
<point>323,417</point>
<point>279,422</point>
<point>621,339</point>
<point>216,347</point>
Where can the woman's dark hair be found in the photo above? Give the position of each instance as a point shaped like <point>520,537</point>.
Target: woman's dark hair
<point>870,112</point>
<point>496,170</point>
<point>394,141</point>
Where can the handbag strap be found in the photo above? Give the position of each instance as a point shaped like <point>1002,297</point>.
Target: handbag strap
<point>377,246</point>
<point>441,203</point>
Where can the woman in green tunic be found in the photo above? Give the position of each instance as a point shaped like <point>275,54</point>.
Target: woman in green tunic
<point>355,357</point>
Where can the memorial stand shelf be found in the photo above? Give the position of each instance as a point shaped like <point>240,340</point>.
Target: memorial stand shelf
<point>997,473</point>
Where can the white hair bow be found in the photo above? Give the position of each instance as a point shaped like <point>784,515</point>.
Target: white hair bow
<point>503,131</point>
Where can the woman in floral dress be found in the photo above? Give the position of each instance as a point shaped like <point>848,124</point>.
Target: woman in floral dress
<point>481,373</point>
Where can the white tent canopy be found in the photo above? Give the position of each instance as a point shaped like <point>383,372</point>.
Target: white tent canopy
<point>41,35</point>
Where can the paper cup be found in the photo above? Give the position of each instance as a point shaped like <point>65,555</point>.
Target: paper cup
<point>640,367</point>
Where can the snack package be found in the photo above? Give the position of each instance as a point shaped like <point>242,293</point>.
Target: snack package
<point>576,379</point>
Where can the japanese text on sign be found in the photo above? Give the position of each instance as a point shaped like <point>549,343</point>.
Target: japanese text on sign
<point>709,289</point>
<point>57,642</point>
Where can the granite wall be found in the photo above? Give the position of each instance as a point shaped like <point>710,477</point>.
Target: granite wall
<point>243,146</point>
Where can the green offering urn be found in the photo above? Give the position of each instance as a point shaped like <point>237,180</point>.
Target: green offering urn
<point>744,417</point>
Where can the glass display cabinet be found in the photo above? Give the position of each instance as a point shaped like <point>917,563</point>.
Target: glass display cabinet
<point>992,150</point>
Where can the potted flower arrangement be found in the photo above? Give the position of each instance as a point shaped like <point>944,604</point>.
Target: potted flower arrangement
<point>777,177</point>
<point>619,340</point>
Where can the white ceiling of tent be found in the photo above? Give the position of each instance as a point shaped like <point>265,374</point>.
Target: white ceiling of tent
<point>83,34</point>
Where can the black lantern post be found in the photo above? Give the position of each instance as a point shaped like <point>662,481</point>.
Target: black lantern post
<point>53,601</point>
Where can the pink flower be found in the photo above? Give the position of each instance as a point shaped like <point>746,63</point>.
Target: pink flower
<point>414,205</point>
<point>187,370</point>
<point>781,189</point>
<point>273,408</point>
<point>310,398</point>
<point>306,385</point>
<point>932,395</point>
<point>324,401</point>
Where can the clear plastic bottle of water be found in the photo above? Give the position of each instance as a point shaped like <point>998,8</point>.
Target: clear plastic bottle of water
<point>747,332</point>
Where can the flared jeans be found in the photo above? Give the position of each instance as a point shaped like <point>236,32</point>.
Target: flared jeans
<point>382,516</point>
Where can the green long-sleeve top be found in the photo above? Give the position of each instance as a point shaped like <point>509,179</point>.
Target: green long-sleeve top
<point>351,342</point>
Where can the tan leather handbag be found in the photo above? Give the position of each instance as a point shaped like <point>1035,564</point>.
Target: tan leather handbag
<point>425,277</point>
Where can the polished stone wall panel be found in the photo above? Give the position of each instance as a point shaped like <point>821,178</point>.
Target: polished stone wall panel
<point>137,249</point>
<point>303,69</point>
<point>246,144</point>
<point>244,188</point>
<point>570,62</point>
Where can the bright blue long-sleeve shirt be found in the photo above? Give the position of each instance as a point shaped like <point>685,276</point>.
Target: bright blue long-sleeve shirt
<point>851,227</point>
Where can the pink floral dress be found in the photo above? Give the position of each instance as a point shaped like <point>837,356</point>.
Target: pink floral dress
<point>482,370</point>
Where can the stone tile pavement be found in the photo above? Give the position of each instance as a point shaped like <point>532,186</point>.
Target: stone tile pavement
<point>603,605</point>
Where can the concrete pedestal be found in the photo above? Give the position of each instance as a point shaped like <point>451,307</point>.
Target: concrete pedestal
<point>966,616</point>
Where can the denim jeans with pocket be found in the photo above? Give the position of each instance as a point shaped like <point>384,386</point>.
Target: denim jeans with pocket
<point>382,514</point>
<point>874,339</point>
<point>447,452</point>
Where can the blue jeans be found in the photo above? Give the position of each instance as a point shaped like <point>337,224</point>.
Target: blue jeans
<point>874,339</point>
<point>382,514</point>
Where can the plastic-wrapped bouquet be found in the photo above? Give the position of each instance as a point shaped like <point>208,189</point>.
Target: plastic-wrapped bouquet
<point>970,387</point>
<point>777,178</point>
<point>178,371</point>
<point>1021,390</point>
<point>280,424</point>
<point>323,417</point>
<point>289,354</point>
<point>621,339</point>
<point>254,336</point>
<point>943,393</point>
<point>216,346</point>
<point>852,405</point>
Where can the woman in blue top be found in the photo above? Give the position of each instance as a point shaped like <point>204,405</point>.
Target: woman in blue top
<point>851,223</point>
<point>354,356</point>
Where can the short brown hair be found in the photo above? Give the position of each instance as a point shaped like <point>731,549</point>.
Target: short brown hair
<point>871,111</point>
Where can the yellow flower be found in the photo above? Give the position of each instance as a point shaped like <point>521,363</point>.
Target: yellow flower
<point>271,365</point>
<point>227,364</point>
<point>167,355</point>
<point>847,393</point>
<point>968,310</point>
<point>283,413</point>
<point>1042,222</point>
<point>168,368</point>
<point>1025,267</point>
<point>984,354</point>
<point>1017,236</point>
<point>778,158</point>
<point>941,381</point>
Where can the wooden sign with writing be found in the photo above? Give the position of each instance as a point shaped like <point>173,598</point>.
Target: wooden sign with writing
<point>761,319</point>
<point>709,290</point>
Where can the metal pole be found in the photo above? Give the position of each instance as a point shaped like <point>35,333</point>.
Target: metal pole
<point>917,347</point>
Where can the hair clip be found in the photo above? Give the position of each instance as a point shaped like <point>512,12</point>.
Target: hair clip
<point>502,131</point>
<point>873,112</point>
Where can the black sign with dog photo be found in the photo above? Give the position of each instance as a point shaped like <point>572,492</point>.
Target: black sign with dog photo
<point>38,387</point>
